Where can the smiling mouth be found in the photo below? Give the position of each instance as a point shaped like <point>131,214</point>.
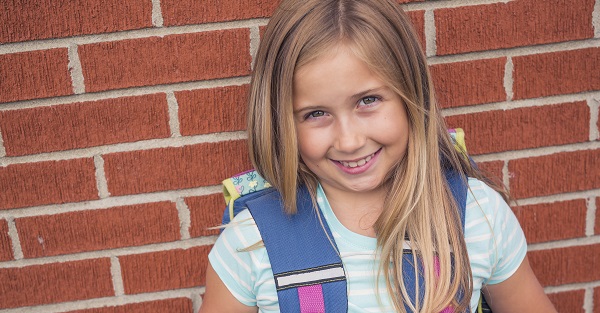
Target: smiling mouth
<point>358,163</point>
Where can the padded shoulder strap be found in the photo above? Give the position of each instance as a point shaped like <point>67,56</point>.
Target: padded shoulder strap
<point>307,268</point>
<point>458,186</point>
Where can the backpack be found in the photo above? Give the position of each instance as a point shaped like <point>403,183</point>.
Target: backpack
<point>308,272</point>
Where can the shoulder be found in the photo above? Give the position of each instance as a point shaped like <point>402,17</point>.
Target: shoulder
<point>486,212</point>
<point>483,202</point>
<point>495,241</point>
<point>237,245</point>
<point>241,231</point>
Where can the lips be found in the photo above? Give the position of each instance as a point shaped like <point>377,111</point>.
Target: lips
<point>357,166</point>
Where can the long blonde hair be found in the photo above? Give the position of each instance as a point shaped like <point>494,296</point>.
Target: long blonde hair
<point>419,204</point>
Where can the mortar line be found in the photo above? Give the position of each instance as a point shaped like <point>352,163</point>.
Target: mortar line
<point>183,212</point>
<point>508,79</point>
<point>505,175</point>
<point>76,70</point>
<point>101,181</point>
<point>127,92</point>
<point>196,302</point>
<point>254,43</point>
<point>516,51</point>
<point>572,287</point>
<point>561,197</point>
<point>2,148</point>
<point>106,301</point>
<point>52,43</point>
<point>157,17</point>
<point>448,4</point>
<point>430,34</point>
<point>590,216</point>
<point>125,147</point>
<point>567,243</point>
<point>111,202</point>
<point>519,104</point>
<point>116,274</point>
<point>588,300</point>
<point>173,114</point>
<point>536,152</point>
<point>150,248</point>
<point>13,234</point>
<point>594,104</point>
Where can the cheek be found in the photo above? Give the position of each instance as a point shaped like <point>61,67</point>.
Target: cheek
<point>303,144</point>
<point>311,146</point>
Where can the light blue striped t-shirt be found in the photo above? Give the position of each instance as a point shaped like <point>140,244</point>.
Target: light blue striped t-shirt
<point>495,244</point>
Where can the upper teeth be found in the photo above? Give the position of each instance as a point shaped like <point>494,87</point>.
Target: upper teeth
<point>359,162</point>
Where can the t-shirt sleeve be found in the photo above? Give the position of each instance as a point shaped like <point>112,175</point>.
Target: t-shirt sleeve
<point>506,245</point>
<point>236,268</point>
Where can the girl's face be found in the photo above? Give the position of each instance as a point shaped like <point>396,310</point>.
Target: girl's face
<point>352,128</point>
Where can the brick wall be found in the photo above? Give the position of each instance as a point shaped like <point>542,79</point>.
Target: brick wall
<point>116,118</point>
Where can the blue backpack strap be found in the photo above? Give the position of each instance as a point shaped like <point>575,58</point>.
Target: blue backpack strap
<point>305,281</point>
<point>458,187</point>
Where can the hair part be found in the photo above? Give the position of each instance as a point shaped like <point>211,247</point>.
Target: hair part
<point>419,203</point>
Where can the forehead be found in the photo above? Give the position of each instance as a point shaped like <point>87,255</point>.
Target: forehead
<point>332,77</point>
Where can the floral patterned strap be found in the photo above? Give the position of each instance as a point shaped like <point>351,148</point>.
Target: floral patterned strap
<point>240,185</point>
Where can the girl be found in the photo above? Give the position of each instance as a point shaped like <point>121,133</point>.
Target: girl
<point>342,104</point>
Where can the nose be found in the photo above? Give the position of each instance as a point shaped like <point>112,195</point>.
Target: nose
<point>350,136</point>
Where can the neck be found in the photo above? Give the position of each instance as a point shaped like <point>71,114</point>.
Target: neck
<point>357,211</point>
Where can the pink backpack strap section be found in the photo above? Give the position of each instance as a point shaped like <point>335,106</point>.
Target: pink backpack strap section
<point>311,299</point>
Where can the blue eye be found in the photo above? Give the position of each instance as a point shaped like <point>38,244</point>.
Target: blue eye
<point>367,101</point>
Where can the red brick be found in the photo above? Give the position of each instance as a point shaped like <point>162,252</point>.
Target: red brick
<point>523,128</point>
<point>34,74</point>
<point>493,169</point>
<point>24,20</point>
<point>556,73</point>
<point>205,212</point>
<point>213,110</point>
<point>568,301</point>
<point>418,20</point>
<point>56,282</point>
<point>174,168</point>
<point>165,60</point>
<point>556,173</point>
<point>176,305</point>
<point>566,265</point>
<point>513,24</point>
<point>85,124</point>
<point>73,232</point>
<point>164,270</point>
<point>539,222</point>
<point>6,252</point>
<point>183,12</point>
<point>471,82</point>
<point>50,182</point>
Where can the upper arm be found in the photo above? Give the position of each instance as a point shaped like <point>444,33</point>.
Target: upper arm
<point>521,292</point>
<point>217,298</point>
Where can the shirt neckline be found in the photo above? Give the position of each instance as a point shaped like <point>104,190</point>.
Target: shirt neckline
<point>344,234</point>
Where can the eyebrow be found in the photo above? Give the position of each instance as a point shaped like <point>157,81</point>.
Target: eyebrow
<point>366,92</point>
<point>353,97</point>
